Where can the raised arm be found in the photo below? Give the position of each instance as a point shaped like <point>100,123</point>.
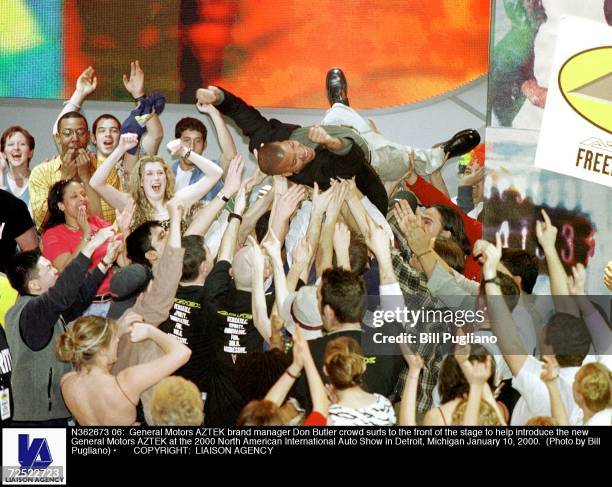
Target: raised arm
<point>600,332</point>
<point>326,249</point>
<point>253,125</point>
<point>407,412</point>
<point>547,236</point>
<point>86,84</point>
<point>258,297</point>
<point>212,173</point>
<point>138,378</point>
<point>228,242</point>
<point>550,374</point>
<point>206,216</point>
<point>154,134</point>
<point>502,323</point>
<point>272,246</point>
<point>226,141</point>
<point>342,242</point>
<point>477,374</point>
<point>117,199</point>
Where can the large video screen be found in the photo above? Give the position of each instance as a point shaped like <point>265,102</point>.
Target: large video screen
<point>275,53</point>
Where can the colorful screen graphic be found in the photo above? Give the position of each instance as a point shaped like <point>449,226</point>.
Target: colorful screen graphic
<point>273,52</point>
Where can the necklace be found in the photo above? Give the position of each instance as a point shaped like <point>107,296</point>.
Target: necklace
<point>74,229</point>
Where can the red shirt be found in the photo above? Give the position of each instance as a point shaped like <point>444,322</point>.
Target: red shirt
<point>429,195</point>
<point>60,240</point>
<point>315,419</point>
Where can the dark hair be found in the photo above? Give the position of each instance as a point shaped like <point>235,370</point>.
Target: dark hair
<point>54,215</point>
<point>13,130</point>
<point>509,288</point>
<point>69,115</point>
<point>344,292</point>
<point>452,384</point>
<point>261,227</point>
<point>569,338</point>
<point>450,252</point>
<point>189,123</point>
<point>269,156</point>
<point>21,269</point>
<point>257,372</point>
<point>195,254</point>
<point>452,222</point>
<point>522,264</point>
<point>138,243</point>
<point>104,116</point>
<point>358,254</point>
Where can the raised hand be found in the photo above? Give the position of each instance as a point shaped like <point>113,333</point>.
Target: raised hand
<point>577,280</point>
<point>234,176</point>
<point>546,232</point>
<point>489,255</point>
<point>288,202</point>
<point>176,207</point>
<point>241,201</point>
<point>208,96</point>
<point>320,200</point>
<point>410,225</point>
<point>550,368</point>
<point>124,218</point>
<point>336,200</point>
<point>140,332</point>
<point>301,252</point>
<point>377,240</point>
<point>207,108</point>
<point>411,175</point>
<point>87,82</point>
<point>477,373</point>
<point>341,238</point>
<point>135,83</point>
<point>128,320</point>
<point>174,147</point>
<point>319,135</point>
<point>127,141</point>
<point>277,323</point>
<point>102,236</point>
<point>474,174</point>
<point>271,244</point>
<point>255,257</point>
<point>112,251</point>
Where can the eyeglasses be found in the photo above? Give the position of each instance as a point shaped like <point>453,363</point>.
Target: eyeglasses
<point>68,133</point>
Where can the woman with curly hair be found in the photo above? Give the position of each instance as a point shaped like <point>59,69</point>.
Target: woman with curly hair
<point>151,182</point>
<point>93,395</point>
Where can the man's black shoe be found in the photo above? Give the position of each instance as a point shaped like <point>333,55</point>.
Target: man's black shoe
<point>460,143</point>
<point>337,88</point>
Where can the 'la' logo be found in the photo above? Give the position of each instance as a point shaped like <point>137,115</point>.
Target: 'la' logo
<point>34,455</point>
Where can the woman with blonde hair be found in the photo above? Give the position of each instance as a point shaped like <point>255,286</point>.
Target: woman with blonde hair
<point>593,393</point>
<point>176,401</point>
<point>151,182</point>
<point>344,366</point>
<point>93,395</point>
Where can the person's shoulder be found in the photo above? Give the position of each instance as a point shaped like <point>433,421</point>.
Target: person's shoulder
<point>46,166</point>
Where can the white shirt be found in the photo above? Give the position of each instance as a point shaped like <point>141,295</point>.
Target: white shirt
<point>182,178</point>
<point>535,400</point>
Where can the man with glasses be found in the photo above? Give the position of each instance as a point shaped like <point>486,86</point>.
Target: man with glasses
<point>74,162</point>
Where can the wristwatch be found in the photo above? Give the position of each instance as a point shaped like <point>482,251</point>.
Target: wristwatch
<point>495,280</point>
<point>222,196</point>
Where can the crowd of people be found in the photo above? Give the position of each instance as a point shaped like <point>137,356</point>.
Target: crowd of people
<point>140,291</point>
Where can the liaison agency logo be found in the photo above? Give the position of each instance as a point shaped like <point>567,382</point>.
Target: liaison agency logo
<point>33,456</point>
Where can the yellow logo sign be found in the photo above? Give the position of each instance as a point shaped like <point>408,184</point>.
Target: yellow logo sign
<point>585,81</point>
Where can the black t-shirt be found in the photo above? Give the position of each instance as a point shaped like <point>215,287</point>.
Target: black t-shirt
<point>6,396</point>
<point>382,370</point>
<point>187,323</point>
<point>15,220</point>
<point>231,333</point>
